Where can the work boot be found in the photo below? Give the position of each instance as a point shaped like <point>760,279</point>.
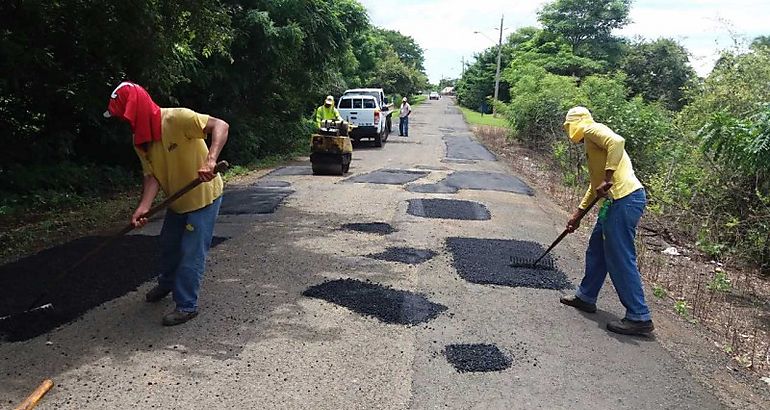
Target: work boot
<point>177,317</point>
<point>156,294</point>
<point>631,327</point>
<point>578,304</point>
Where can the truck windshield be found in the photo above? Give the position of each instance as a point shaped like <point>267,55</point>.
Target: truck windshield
<point>357,103</point>
<point>346,103</point>
<point>369,104</point>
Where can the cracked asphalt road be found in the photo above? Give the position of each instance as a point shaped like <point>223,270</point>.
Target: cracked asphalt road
<point>259,343</point>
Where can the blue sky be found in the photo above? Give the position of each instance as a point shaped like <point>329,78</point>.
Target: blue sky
<point>445,27</point>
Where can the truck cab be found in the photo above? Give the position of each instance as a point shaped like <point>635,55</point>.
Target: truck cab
<point>367,113</point>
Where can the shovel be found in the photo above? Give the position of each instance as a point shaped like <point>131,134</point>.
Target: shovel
<point>221,166</point>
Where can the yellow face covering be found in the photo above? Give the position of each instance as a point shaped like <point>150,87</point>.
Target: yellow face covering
<point>577,120</point>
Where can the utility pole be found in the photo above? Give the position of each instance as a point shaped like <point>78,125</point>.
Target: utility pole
<point>497,75</point>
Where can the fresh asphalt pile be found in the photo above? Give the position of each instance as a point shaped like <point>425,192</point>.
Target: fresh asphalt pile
<point>378,228</point>
<point>448,209</point>
<point>383,303</point>
<point>487,262</point>
<point>388,176</point>
<point>127,263</point>
<point>476,358</point>
<point>406,255</point>
<point>466,148</point>
<point>478,180</point>
<point>262,197</point>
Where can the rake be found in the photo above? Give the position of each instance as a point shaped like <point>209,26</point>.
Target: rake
<point>548,264</point>
<point>35,306</point>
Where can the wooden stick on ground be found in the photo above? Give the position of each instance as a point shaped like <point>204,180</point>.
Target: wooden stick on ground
<point>30,402</point>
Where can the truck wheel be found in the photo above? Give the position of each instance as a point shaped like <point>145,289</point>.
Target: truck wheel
<point>378,140</point>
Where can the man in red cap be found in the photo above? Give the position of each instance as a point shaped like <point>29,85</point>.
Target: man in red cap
<point>171,146</point>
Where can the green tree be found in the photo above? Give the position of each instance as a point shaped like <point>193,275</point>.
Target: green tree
<point>658,71</point>
<point>408,51</point>
<point>585,23</point>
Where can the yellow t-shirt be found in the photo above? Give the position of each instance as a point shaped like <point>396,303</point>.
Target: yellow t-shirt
<point>174,161</point>
<point>606,151</point>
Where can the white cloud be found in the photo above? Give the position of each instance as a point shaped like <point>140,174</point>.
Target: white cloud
<point>445,27</point>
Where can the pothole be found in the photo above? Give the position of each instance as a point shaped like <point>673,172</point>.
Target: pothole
<point>477,358</point>
<point>262,197</point>
<point>389,176</point>
<point>410,256</point>
<point>448,209</point>
<point>292,170</point>
<point>383,303</point>
<point>487,261</point>
<point>466,148</point>
<point>490,181</point>
<point>379,228</point>
<point>439,188</point>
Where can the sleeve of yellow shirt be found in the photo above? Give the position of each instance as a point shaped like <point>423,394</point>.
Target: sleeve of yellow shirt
<point>146,170</point>
<point>613,143</point>
<point>193,123</point>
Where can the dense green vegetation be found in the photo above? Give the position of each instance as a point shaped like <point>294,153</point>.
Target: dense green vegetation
<point>261,65</point>
<point>700,145</point>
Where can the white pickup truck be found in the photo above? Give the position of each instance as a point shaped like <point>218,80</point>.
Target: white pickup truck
<point>368,110</point>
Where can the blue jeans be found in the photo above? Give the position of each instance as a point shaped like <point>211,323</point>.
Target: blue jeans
<point>611,249</point>
<point>185,241</point>
<point>403,126</point>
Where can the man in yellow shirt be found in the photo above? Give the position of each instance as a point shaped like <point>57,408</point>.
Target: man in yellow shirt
<point>170,143</point>
<point>611,246</point>
<point>327,112</point>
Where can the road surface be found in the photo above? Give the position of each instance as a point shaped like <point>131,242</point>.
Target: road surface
<point>295,314</point>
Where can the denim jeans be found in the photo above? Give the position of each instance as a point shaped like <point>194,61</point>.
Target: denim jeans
<point>611,249</point>
<point>185,241</point>
<point>403,126</point>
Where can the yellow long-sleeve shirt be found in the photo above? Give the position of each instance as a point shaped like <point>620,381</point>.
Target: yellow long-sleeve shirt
<point>605,150</point>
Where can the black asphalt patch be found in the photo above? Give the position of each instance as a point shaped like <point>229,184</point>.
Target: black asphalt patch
<point>490,181</point>
<point>439,188</point>
<point>487,262</point>
<point>262,197</point>
<point>379,228</point>
<point>467,148</point>
<point>476,358</point>
<point>292,170</point>
<point>411,256</point>
<point>448,209</point>
<point>386,304</point>
<point>389,176</point>
<point>120,268</point>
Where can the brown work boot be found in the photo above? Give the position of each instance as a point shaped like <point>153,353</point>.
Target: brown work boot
<point>177,317</point>
<point>156,294</point>
<point>631,327</point>
<point>578,304</point>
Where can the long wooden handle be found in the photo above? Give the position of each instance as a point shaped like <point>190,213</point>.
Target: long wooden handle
<point>30,402</point>
<point>566,231</point>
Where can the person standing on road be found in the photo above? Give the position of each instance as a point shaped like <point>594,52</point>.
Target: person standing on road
<point>327,112</point>
<point>611,246</point>
<point>403,118</point>
<point>170,143</point>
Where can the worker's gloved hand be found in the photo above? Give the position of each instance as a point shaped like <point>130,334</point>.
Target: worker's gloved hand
<point>137,221</point>
<point>206,172</point>
<point>574,222</point>
<point>603,190</point>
